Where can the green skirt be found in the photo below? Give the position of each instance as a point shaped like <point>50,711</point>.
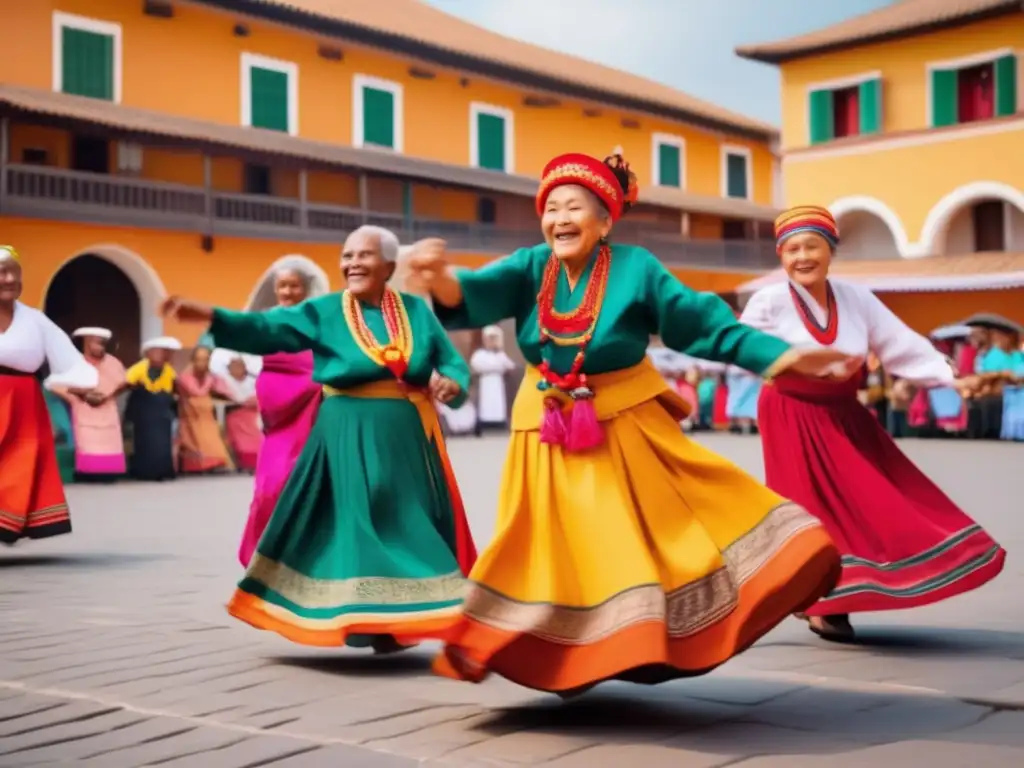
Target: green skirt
<point>362,543</point>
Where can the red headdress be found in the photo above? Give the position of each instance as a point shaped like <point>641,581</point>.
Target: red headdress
<point>611,180</point>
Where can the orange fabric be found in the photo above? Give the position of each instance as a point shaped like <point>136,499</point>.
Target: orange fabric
<point>765,600</point>
<point>32,502</point>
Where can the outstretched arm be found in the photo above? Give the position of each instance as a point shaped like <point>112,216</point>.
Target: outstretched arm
<point>282,329</point>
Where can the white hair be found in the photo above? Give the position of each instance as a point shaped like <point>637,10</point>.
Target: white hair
<point>389,243</point>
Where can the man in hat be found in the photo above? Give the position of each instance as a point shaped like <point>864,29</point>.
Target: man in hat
<point>992,369</point>
<point>99,443</point>
<point>152,410</point>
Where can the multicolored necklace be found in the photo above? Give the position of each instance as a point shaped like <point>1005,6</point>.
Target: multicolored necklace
<point>574,328</point>
<point>823,334</point>
<point>395,354</point>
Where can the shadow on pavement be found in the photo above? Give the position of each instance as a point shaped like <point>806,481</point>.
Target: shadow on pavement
<point>922,641</point>
<point>358,663</point>
<point>78,560</point>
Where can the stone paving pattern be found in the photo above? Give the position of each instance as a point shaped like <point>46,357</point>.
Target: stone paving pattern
<point>117,652</point>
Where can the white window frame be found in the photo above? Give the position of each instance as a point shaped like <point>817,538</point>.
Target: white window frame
<point>62,21</point>
<point>986,57</point>
<point>748,154</point>
<point>359,82</point>
<point>250,61</point>
<point>478,108</point>
<point>667,139</point>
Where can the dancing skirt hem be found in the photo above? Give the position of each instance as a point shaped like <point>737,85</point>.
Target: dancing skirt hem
<point>904,543</point>
<point>32,502</point>
<point>643,559</point>
<point>648,650</point>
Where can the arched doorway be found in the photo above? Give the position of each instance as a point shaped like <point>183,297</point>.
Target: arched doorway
<point>865,236</point>
<point>977,217</point>
<point>90,290</point>
<point>262,296</point>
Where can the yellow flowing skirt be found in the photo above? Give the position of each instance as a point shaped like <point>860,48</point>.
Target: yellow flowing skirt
<point>645,559</point>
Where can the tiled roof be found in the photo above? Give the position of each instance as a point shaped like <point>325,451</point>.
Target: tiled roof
<point>901,19</point>
<point>974,271</point>
<point>132,121</point>
<point>438,36</point>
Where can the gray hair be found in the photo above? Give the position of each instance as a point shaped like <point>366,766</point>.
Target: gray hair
<point>296,269</point>
<point>389,243</point>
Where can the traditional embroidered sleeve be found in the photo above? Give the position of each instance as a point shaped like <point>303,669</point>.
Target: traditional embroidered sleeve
<point>702,325</point>
<point>901,351</point>
<point>446,358</point>
<point>495,292</point>
<point>67,366</point>
<point>281,329</point>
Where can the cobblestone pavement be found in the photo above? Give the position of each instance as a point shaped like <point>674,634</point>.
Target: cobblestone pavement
<point>116,651</point>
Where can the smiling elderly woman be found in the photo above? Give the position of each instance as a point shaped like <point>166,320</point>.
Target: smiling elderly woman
<point>623,549</point>
<point>368,542</point>
<point>904,542</point>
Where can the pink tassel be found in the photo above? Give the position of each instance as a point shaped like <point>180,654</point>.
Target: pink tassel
<point>552,427</point>
<point>584,430</point>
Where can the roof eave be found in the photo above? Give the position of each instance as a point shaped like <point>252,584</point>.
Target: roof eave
<point>453,59</point>
<point>768,56</point>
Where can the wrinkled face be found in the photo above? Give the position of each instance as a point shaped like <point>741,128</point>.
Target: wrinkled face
<point>364,267</point>
<point>94,346</point>
<point>573,222</point>
<point>201,360</point>
<point>806,257</point>
<point>10,279</point>
<point>289,288</point>
<point>237,369</point>
<point>158,357</point>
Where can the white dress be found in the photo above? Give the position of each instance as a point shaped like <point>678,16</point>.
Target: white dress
<point>491,365</point>
<point>34,339</point>
<point>865,325</point>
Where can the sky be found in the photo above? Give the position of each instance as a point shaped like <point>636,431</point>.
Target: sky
<point>687,44</point>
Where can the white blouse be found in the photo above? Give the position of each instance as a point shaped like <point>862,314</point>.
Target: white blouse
<point>865,325</point>
<point>34,339</point>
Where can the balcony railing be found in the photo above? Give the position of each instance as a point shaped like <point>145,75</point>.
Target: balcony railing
<point>49,193</point>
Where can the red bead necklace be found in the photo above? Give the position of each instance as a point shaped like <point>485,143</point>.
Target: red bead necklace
<point>395,354</point>
<point>574,328</point>
<point>825,335</point>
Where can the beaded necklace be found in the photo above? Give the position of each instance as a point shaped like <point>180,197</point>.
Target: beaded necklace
<point>395,354</point>
<point>823,334</point>
<point>574,328</point>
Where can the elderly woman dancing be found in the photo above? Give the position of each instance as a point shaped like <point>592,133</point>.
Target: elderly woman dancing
<point>32,503</point>
<point>623,549</point>
<point>368,543</point>
<point>904,542</point>
<point>288,400</point>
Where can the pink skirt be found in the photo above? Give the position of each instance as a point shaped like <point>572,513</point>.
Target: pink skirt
<point>904,542</point>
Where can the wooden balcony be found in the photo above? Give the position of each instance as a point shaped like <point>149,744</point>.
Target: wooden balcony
<point>56,194</point>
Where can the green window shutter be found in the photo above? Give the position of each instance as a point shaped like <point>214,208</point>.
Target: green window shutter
<point>944,97</point>
<point>87,60</point>
<point>669,166</point>
<point>869,96</point>
<point>1006,85</point>
<point>378,117</point>
<point>268,89</point>
<point>736,176</point>
<point>822,125</point>
<point>490,138</point>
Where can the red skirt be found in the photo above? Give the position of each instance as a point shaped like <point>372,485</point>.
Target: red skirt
<point>903,542</point>
<point>32,503</point>
<point>719,417</point>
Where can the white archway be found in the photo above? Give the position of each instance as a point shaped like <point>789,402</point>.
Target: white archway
<point>262,295</point>
<point>147,283</point>
<point>936,224</point>
<point>857,206</point>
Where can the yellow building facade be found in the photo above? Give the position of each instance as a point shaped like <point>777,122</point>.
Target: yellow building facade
<point>159,147</point>
<point>907,122</point>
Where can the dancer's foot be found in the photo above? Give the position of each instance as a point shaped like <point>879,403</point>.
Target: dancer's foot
<point>384,645</point>
<point>836,628</point>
